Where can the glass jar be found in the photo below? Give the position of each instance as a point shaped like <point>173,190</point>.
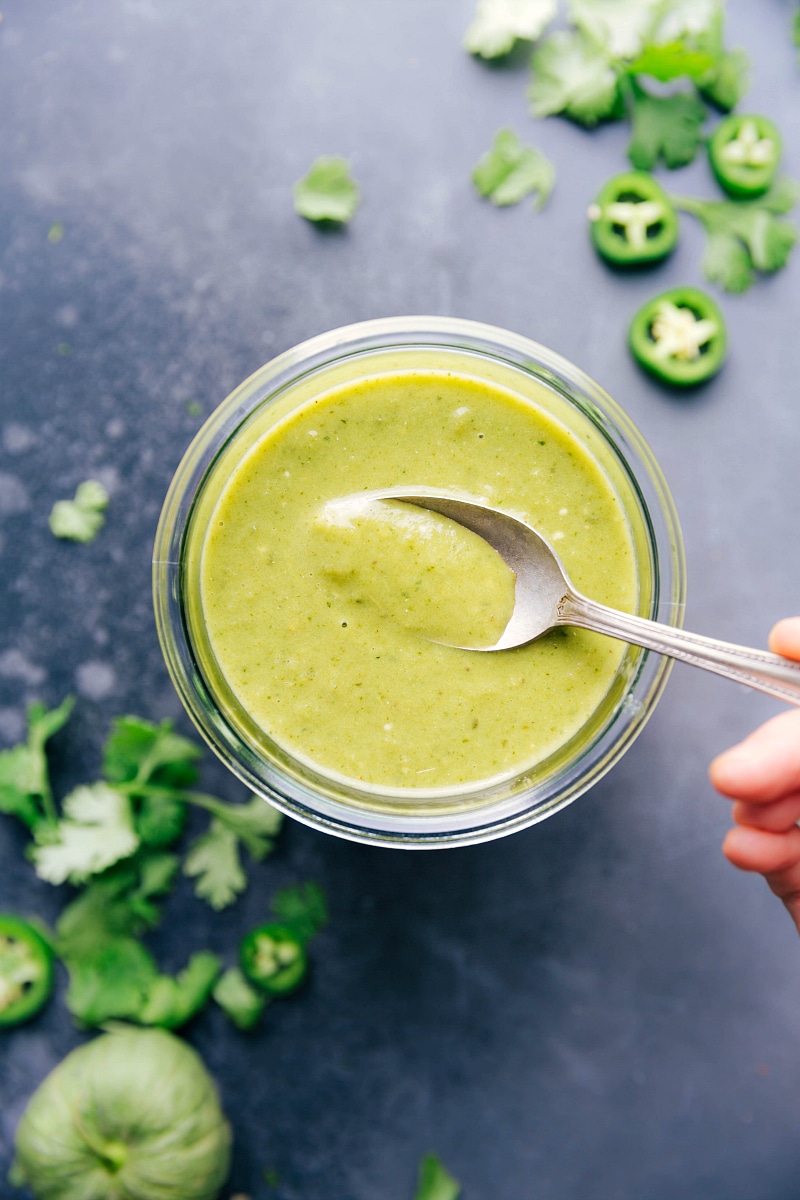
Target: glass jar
<point>414,817</point>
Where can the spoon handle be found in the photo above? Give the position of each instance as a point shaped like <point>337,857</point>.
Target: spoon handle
<point>759,669</point>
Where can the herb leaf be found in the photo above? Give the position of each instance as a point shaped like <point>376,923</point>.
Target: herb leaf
<point>510,171</point>
<point>24,778</point>
<point>241,1002</point>
<point>435,1181</point>
<point>664,127</point>
<point>80,519</point>
<point>97,830</point>
<point>499,24</point>
<point>171,1002</point>
<point>327,192</point>
<point>744,236</point>
<point>112,982</point>
<point>302,909</point>
<point>140,751</point>
<point>573,75</point>
<point>213,860</point>
<point>620,25</point>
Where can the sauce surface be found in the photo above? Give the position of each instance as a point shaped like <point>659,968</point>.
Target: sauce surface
<point>320,608</point>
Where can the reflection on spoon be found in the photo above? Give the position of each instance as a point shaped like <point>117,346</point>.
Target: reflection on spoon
<point>545,598</point>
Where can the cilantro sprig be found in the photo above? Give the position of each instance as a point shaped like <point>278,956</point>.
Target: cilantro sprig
<point>618,56</point>
<point>510,171</point>
<point>745,236</point>
<point>117,841</point>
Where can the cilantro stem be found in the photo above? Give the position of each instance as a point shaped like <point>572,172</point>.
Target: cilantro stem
<point>199,799</point>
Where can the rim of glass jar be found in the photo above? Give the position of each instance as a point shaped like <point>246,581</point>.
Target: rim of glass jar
<point>303,800</point>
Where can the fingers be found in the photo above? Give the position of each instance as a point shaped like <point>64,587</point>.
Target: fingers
<point>778,817</point>
<point>764,767</point>
<point>769,854</point>
<point>776,856</point>
<point>785,638</point>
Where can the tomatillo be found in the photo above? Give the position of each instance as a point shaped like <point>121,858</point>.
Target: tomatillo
<point>679,337</point>
<point>26,970</point>
<point>273,959</point>
<point>744,153</point>
<point>633,221</point>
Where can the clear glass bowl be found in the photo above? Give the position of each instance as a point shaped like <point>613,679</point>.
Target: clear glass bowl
<point>414,818</point>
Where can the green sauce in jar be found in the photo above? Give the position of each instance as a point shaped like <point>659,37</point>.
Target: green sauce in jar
<point>324,617</point>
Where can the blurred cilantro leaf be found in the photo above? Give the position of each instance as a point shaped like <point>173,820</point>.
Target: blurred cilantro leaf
<point>573,75</point>
<point>327,192</point>
<point>510,171</point>
<point>25,790</point>
<point>435,1181</point>
<point>172,1001</point>
<point>81,518</point>
<point>238,1000</point>
<point>499,24</point>
<point>213,861</point>
<point>96,831</point>
<point>139,751</point>
<point>301,908</point>
<point>664,127</point>
<point>620,25</point>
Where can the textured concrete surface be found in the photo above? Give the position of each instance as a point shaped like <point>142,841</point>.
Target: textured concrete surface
<point>599,1007</point>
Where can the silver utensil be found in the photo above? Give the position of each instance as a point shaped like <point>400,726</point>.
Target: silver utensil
<point>545,598</point>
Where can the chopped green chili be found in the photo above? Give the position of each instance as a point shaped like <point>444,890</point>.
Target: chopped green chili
<point>679,337</point>
<point>633,221</point>
<point>744,153</point>
<point>26,970</point>
<point>273,959</point>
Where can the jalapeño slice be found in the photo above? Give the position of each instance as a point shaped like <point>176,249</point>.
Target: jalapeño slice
<point>633,221</point>
<point>273,959</point>
<point>744,153</point>
<point>26,970</point>
<point>679,337</point>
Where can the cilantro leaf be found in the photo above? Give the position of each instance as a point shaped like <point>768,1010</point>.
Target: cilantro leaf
<point>301,908</point>
<point>111,982</point>
<point>510,171</point>
<point>435,1181</point>
<point>81,518</point>
<point>499,24</point>
<point>159,820</point>
<point>327,192</point>
<point>171,1002</point>
<point>19,795</point>
<point>619,25</point>
<point>256,823</point>
<point>744,236</point>
<point>673,60</point>
<point>687,17</point>
<point>213,860</point>
<point>664,127</point>
<point>97,830</point>
<point>238,1000</point>
<point>573,75</point>
<point>726,262</point>
<point>139,751</point>
<point>727,81</point>
<point>24,778</point>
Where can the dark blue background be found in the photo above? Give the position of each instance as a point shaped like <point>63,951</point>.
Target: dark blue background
<point>598,1008</point>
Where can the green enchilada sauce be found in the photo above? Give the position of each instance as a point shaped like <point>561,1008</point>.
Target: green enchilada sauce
<point>320,612</point>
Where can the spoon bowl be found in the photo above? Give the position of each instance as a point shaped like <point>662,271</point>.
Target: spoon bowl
<point>545,599</point>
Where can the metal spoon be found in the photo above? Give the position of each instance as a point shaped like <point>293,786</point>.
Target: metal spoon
<point>545,598</point>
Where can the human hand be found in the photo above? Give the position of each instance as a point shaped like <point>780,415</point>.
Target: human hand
<point>762,774</point>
